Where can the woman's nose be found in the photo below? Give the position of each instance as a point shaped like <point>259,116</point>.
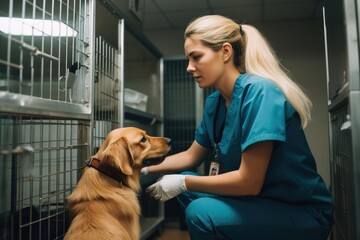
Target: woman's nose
<point>190,68</point>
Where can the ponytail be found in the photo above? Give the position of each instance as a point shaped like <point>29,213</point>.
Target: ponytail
<point>261,60</point>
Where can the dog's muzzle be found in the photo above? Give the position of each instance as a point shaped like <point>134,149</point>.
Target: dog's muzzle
<point>153,161</point>
<point>157,160</point>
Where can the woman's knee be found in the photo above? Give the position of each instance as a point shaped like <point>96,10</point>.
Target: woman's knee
<point>197,216</point>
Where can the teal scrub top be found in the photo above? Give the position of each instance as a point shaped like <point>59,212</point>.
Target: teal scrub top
<point>259,111</point>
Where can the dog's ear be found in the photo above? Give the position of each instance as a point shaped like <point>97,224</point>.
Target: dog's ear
<point>118,155</point>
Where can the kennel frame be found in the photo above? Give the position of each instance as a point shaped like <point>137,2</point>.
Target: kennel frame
<point>19,83</point>
<point>40,162</point>
<point>108,87</point>
<point>342,62</point>
<point>24,105</point>
<point>45,128</point>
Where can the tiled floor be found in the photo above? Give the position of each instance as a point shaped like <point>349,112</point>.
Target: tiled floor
<point>171,234</point>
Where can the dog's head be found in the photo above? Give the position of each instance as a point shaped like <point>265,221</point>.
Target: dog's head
<point>129,149</point>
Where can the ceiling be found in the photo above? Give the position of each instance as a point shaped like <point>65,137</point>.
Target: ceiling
<point>176,14</point>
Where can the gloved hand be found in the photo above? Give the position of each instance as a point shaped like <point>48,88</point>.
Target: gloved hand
<point>144,171</point>
<point>167,187</point>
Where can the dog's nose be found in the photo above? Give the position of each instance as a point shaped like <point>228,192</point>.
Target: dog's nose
<point>168,141</point>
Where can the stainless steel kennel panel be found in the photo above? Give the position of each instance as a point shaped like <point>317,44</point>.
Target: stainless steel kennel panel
<point>46,111</point>
<point>341,28</point>
<point>40,163</point>
<point>342,174</point>
<point>46,57</point>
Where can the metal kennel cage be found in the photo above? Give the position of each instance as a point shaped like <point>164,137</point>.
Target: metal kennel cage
<point>46,65</point>
<point>39,162</point>
<point>107,107</point>
<point>46,112</point>
<point>342,173</point>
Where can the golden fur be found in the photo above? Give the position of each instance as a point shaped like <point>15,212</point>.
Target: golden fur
<point>101,208</point>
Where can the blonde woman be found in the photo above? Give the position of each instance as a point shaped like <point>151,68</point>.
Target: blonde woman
<point>263,182</point>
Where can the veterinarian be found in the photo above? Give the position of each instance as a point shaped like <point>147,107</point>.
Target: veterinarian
<point>266,184</point>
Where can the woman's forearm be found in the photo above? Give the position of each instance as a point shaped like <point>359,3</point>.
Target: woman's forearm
<point>173,163</point>
<point>192,157</point>
<point>248,180</point>
<point>228,184</point>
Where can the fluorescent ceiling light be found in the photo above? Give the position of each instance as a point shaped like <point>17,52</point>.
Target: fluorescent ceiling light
<point>35,27</point>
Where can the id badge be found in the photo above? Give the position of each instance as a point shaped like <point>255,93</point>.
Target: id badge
<point>214,168</point>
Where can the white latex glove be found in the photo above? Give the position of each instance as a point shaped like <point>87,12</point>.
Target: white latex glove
<point>144,171</point>
<point>167,187</point>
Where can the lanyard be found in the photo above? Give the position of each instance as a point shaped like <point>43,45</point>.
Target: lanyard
<point>217,137</point>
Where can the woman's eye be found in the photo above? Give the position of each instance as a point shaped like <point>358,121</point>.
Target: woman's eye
<point>143,139</point>
<point>196,58</point>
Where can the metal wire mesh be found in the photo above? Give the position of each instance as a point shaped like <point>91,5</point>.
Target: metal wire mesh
<point>107,88</point>
<point>179,107</point>
<point>40,162</point>
<point>49,117</point>
<point>45,112</point>
<point>47,49</point>
<point>343,177</point>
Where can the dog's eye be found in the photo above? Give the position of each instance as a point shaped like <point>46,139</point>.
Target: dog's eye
<point>143,139</point>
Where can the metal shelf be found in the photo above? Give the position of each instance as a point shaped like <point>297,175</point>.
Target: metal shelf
<point>340,99</point>
<point>140,116</point>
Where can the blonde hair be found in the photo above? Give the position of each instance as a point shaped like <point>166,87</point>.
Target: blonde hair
<point>252,54</point>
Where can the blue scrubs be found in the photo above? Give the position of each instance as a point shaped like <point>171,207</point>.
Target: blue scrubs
<point>294,202</point>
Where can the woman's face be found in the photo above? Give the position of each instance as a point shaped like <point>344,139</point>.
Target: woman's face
<point>205,64</point>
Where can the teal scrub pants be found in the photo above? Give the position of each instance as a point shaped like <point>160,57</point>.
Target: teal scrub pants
<point>210,217</point>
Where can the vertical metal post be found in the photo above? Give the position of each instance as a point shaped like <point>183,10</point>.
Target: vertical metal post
<point>121,33</point>
<point>14,170</point>
<point>90,76</point>
<point>161,74</point>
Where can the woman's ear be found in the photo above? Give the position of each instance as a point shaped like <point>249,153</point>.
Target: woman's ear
<point>227,52</point>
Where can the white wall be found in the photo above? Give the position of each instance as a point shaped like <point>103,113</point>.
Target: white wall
<point>300,47</point>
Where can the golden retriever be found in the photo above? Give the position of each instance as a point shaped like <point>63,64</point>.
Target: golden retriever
<point>104,204</point>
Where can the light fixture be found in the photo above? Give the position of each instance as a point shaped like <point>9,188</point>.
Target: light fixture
<point>35,27</point>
